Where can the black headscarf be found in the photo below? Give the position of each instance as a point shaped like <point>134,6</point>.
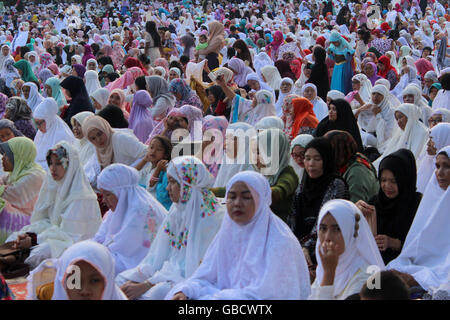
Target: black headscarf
<point>395,216</point>
<point>80,99</point>
<point>114,115</point>
<point>345,121</point>
<point>308,202</point>
<point>319,73</point>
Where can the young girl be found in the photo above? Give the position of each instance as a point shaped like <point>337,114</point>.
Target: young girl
<point>203,44</point>
<point>153,169</point>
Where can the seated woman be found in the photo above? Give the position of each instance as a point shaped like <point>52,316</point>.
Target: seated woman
<point>111,146</point>
<point>334,95</point>
<point>387,71</point>
<point>50,280</point>
<point>18,112</point>
<point>117,98</point>
<point>273,162</point>
<point>271,257</point>
<point>163,100</point>
<point>345,249</point>
<point>75,89</point>
<point>184,94</point>
<point>87,149</point>
<point>422,262</point>
<point>100,99</point>
<point>412,94</point>
<point>340,117</point>
<point>238,138</point>
<point>141,120</point>
<point>320,184</point>
<point>390,213</point>
<point>181,242</point>
<point>66,210</point>
<point>362,90</point>
<point>272,122</point>
<point>439,138</point>
<point>298,116</point>
<point>20,188</point>
<point>413,135</point>
<point>52,129</point>
<point>218,106</point>
<point>153,169</point>
<point>214,130</point>
<point>357,171</point>
<point>53,90</point>
<point>8,130</point>
<point>376,119</point>
<point>134,217</point>
<point>115,117</point>
<point>31,94</point>
<point>286,88</point>
<point>297,152</point>
<point>309,91</point>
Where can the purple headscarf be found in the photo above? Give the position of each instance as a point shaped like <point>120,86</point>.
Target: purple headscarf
<point>87,54</point>
<point>80,69</point>
<point>241,71</point>
<point>140,119</point>
<point>375,76</point>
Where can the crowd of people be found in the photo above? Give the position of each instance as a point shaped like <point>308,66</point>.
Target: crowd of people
<point>225,149</point>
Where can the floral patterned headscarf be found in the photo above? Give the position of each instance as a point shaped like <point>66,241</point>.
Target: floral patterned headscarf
<point>61,153</point>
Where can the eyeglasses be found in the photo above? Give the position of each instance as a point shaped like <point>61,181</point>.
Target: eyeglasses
<point>39,123</point>
<point>434,121</point>
<point>300,155</point>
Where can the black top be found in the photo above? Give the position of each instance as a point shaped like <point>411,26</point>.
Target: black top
<point>395,216</point>
<point>114,116</point>
<point>319,73</point>
<point>345,121</point>
<point>80,99</point>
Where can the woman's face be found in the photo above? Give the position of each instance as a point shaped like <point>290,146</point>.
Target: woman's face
<point>285,87</point>
<point>114,99</point>
<point>5,51</point>
<point>173,187</point>
<point>92,66</point>
<point>388,184</point>
<point>155,151</point>
<point>76,129</point>
<point>92,283</point>
<point>56,168</point>
<point>74,72</point>
<point>109,199</point>
<point>380,66</point>
<point>309,93</point>
<point>173,75</point>
<point>377,98</point>
<point>73,60</point>
<point>253,84</point>
<point>401,119</point>
<point>433,93</point>
<point>6,134</point>
<point>48,90</point>
<point>178,96</point>
<point>211,98</point>
<point>7,164</point>
<point>41,125</point>
<point>368,70</point>
<point>231,146</point>
<point>443,171</point>
<point>356,85</point>
<point>307,72</point>
<point>97,138</point>
<point>408,98</point>
<point>431,148</point>
<point>330,234</point>
<point>434,120</point>
<point>404,62</point>
<point>332,112</point>
<point>241,206</point>
<point>298,154</point>
<point>26,91</point>
<point>428,82</point>
<point>97,105</point>
<point>313,163</point>
<point>32,59</point>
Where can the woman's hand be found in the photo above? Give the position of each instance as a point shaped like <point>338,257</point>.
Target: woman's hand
<point>162,165</point>
<point>329,256</point>
<point>383,242</point>
<point>23,242</point>
<point>134,290</point>
<point>376,110</point>
<point>221,81</point>
<point>179,296</point>
<point>367,209</point>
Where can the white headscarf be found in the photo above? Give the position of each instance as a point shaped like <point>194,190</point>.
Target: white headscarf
<point>445,113</point>
<point>57,130</point>
<point>8,72</point>
<point>272,76</point>
<point>129,230</point>
<point>440,134</point>
<point>424,111</point>
<point>92,82</point>
<point>261,60</point>
<point>54,270</point>
<point>301,140</point>
<point>187,230</point>
<point>335,94</point>
<point>365,91</point>
<point>395,102</point>
<point>427,246</point>
<point>34,97</point>
<point>269,266</point>
<point>281,96</point>
<point>101,95</point>
<point>269,122</point>
<point>360,251</point>
<point>320,107</point>
<point>87,149</point>
<point>230,166</point>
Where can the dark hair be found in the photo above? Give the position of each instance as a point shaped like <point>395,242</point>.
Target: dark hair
<point>150,27</point>
<point>427,48</point>
<point>233,28</point>
<point>24,50</point>
<point>140,83</point>
<point>445,81</point>
<point>176,64</point>
<point>392,287</point>
<point>245,53</point>
<point>231,52</point>
<point>144,59</point>
<point>365,35</point>
<point>105,60</point>
<point>167,145</point>
<point>184,60</point>
<point>114,116</point>
<point>112,76</point>
<point>95,48</point>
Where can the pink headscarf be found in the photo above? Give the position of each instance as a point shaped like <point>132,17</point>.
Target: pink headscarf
<point>423,66</point>
<point>126,80</point>
<point>122,102</point>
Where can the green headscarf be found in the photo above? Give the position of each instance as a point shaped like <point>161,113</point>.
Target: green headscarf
<point>108,69</point>
<point>25,153</point>
<point>27,72</point>
<point>57,94</point>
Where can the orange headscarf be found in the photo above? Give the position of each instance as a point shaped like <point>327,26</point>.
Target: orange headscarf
<point>304,115</point>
